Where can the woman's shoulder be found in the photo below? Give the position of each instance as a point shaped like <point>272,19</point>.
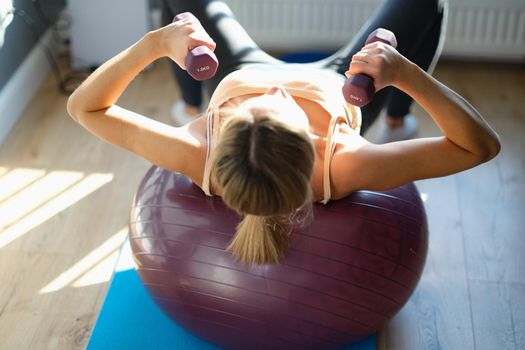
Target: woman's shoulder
<point>196,135</point>
<point>344,167</point>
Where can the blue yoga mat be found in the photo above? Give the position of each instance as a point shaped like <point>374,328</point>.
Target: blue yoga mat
<point>130,320</point>
<point>304,57</point>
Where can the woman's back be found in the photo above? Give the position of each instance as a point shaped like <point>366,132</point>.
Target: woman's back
<point>318,95</point>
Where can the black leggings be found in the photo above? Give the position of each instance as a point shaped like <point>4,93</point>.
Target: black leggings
<point>416,24</point>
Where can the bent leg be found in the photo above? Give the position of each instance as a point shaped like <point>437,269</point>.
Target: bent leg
<point>396,101</point>
<point>412,21</point>
<point>191,89</point>
<point>423,55</point>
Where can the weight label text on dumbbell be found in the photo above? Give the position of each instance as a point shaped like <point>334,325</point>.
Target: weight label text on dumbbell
<point>202,69</point>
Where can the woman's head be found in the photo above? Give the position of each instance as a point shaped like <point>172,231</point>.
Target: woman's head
<point>263,168</point>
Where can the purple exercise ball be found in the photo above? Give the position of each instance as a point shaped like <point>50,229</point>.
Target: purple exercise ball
<point>342,278</point>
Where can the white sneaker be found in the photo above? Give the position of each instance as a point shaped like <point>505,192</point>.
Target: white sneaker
<point>179,115</point>
<point>408,130</point>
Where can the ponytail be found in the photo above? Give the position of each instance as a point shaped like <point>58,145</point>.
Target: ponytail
<point>260,239</point>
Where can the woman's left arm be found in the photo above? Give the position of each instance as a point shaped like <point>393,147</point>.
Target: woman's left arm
<point>466,142</point>
<point>93,104</point>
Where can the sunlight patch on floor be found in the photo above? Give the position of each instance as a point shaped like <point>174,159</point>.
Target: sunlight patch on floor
<point>100,273</point>
<point>3,170</point>
<point>43,197</point>
<point>16,180</point>
<point>36,194</point>
<point>96,267</point>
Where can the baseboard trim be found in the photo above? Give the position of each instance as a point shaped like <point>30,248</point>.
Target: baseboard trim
<point>24,83</point>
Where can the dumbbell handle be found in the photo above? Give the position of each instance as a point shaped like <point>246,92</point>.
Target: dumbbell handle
<point>201,63</point>
<point>359,88</point>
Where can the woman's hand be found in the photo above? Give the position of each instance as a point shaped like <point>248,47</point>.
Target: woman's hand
<point>177,38</point>
<point>382,62</point>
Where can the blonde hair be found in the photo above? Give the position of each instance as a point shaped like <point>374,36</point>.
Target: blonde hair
<point>263,168</point>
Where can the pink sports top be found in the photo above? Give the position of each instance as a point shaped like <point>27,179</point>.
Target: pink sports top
<point>320,86</point>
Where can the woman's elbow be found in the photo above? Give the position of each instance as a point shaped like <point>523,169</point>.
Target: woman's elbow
<point>494,146</point>
<point>497,145</point>
<point>491,148</point>
<point>72,107</point>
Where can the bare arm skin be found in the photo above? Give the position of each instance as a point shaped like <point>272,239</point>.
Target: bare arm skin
<point>467,139</point>
<point>93,104</point>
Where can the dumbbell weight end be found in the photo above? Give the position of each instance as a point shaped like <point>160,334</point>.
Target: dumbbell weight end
<point>201,63</point>
<point>359,88</point>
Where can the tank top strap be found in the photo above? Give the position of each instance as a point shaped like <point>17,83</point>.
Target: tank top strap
<point>211,123</point>
<point>333,131</point>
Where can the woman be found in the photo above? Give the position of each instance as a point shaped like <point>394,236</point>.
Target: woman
<point>277,137</point>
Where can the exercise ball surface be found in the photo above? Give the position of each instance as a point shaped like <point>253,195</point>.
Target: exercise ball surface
<point>342,278</point>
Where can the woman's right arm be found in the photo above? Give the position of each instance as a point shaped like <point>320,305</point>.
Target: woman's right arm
<point>467,139</point>
<point>93,104</point>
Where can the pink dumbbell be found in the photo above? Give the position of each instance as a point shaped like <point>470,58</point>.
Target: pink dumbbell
<point>201,63</point>
<point>359,88</point>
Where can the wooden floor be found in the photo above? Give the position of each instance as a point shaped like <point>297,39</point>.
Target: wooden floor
<point>65,198</point>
